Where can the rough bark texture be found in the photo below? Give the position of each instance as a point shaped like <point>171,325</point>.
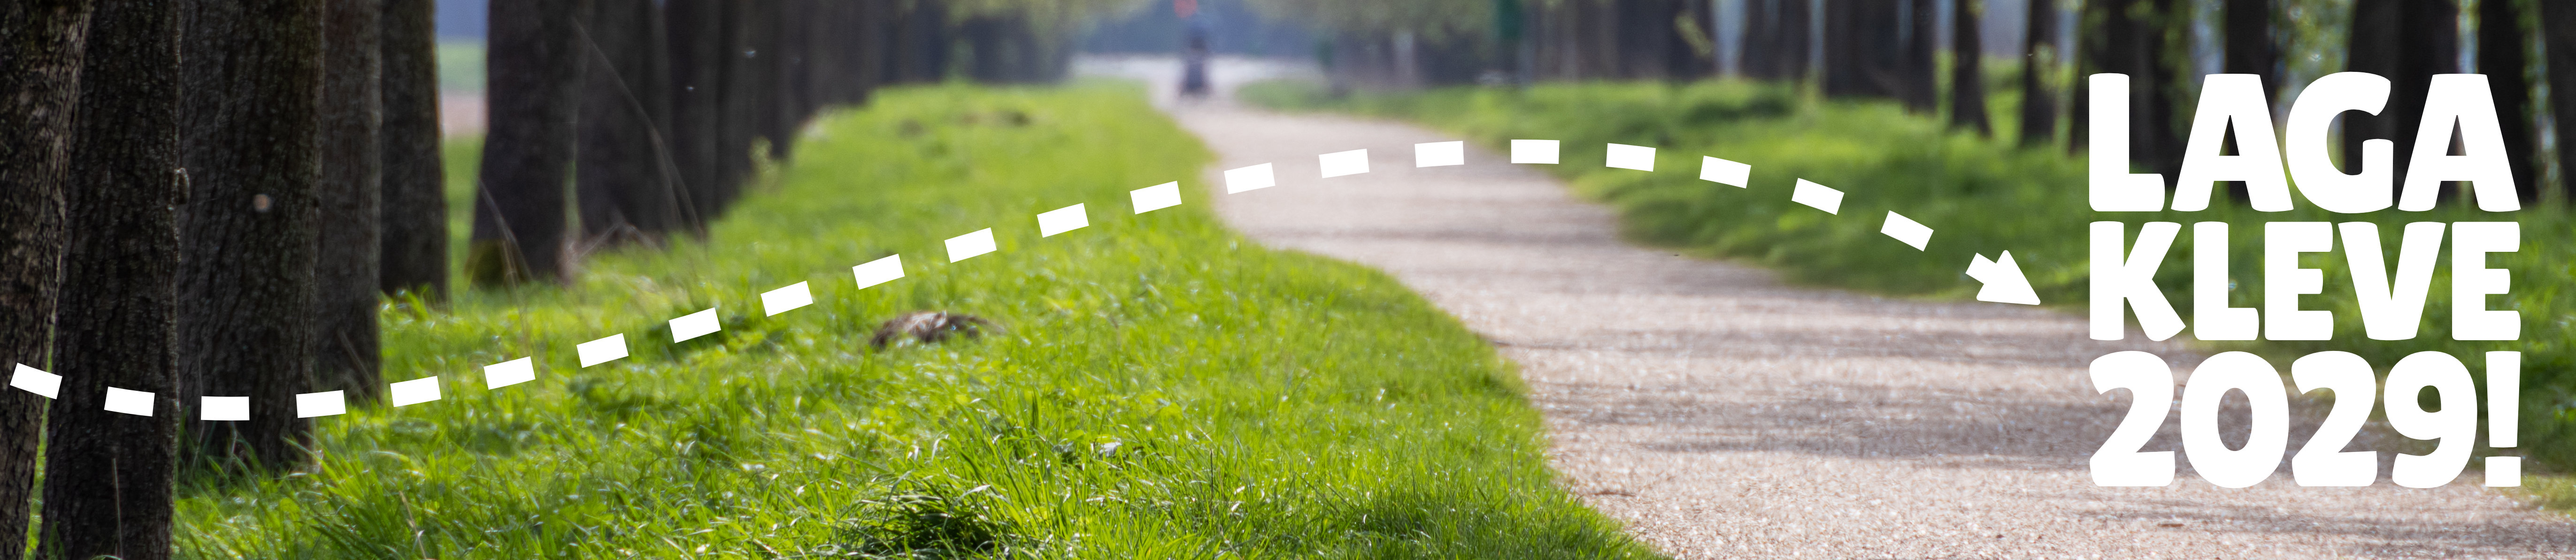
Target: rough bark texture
<point>119,315</point>
<point>346,353</point>
<point>2039,58</point>
<point>2558,35</point>
<point>2502,57</point>
<point>623,175</point>
<point>42,42</point>
<point>696,32</point>
<point>534,88</point>
<point>1967,68</point>
<point>413,219</point>
<point>250,142</point>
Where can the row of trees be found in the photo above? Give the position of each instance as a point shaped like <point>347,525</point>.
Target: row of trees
<point>215,197</point>
<point>1890,49</point>
<point>660,104</point>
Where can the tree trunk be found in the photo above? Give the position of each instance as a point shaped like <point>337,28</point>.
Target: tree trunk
<point>1967,68</point>
<point>2376,25</point>
<point>1846,68</point>
<point>788,105</point>
<point>534,87</point>
<point>623,181</point>
<point>2039,58</point>
<point>2408,41</point>
<point>2092,53</point>
<point>2558,36</point>
<point>2502,58</point>
<point>346,353</point>
<point>1693,52</point>
<point>413,206</point>
<point>859,27</point>
<point>42,40</point>
<point>1791,43</point>
<point>252,148</point>
<point>2135,46</point>
<point>119,319</point>
<point>749,88</point>
<point>1756,58</point>
<point>1645,38</point>
<point>2157,70</point>
<point>697,94</point>
<point>2250,46</point>
<point>1916,67</point>
<point>921,43</point>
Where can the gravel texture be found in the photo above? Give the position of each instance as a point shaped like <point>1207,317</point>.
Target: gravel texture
<point>1722,414</point>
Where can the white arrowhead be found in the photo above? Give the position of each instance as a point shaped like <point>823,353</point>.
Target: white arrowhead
<point>2003,279</point>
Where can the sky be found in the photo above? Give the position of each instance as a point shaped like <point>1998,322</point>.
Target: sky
<point>461,19</point>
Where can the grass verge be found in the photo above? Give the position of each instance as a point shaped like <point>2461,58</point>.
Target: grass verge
<point>1980,195</point>
<point>1159,387</point>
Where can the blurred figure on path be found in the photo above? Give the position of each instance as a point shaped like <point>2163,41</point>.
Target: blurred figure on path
<point>1194,51</point>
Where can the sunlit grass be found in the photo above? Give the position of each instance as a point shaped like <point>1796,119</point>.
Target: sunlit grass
<point>1159,387</point>
<point>1979,195</point>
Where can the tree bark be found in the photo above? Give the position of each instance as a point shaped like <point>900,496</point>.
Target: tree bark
<point>2158,69</point>
<point>252,148</point>
<point>2135,46</point>
<point>749,86</point>
<point>2039,59</point>
<point>1846,66</point>
<point>2558,36</point>
<point>1792,50</point>
<point>119,317</point>
<point>1967,68</point>
<point>1915,67</point>
<point>2092,53</point>
<point>788,103</point>
<point>534,87</point>
<point>921,43</point>
<point>2407,41</point>
<point>1756,59</point>
<point>2502,57</point>
<point>39,88</point>
<point>413,206</point>
<point>623,178</point>
<point>2250,46</point>
<point>697,77</point>
<point>347,355</point>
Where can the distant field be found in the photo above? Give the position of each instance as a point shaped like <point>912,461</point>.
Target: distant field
<point>1157,387</point>
<point>460,65</point>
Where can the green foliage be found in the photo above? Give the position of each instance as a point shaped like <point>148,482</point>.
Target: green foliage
<point>1158,387</point>
<point>1433,19</point>
<point>1980,196</point>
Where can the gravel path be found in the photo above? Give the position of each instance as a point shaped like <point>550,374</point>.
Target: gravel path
<point>1724,415</point>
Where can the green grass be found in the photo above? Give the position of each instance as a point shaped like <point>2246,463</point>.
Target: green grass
<point>1160,387</point>
<point>1980,195</point>
<point>460,65</point>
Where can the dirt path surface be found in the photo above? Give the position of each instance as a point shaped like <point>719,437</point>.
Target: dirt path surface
<point>1724,415</point>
